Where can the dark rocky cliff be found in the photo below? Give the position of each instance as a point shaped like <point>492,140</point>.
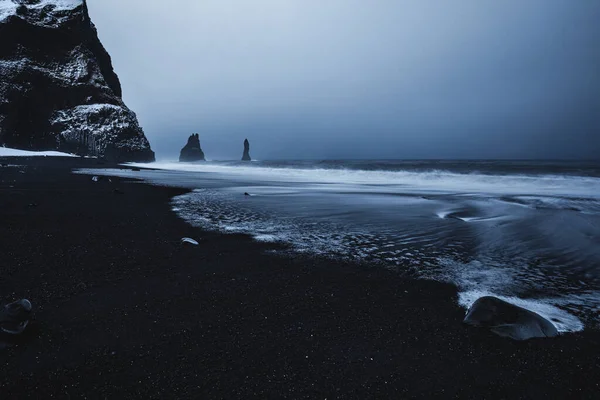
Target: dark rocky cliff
<point>58,89</point>
<point>192,150</point>
<point>246,155</point>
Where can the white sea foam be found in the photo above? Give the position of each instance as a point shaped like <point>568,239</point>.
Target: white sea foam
<point>488,234</point>
<point>267,238</point>
<point>406,181</point>
<point>477,279</point>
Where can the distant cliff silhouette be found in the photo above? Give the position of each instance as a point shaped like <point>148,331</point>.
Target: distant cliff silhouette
<point>192,150</point>
<point>246,156</point>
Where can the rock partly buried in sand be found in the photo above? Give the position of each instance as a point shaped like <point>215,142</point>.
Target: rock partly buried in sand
<point>192,150</point>
<point>14,317</point>
<point>189,241</point>
<point>506,319</point>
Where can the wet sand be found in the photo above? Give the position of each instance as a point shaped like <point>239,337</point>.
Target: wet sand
<point>123,309</point>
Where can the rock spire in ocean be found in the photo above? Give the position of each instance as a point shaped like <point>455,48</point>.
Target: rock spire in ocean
<point>246,155</point>
<point>58,90</point>
<point>192,150</point>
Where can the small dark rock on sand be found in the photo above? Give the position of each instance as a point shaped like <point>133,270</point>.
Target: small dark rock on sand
<point>15,316</point>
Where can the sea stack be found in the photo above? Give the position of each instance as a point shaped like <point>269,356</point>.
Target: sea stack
<point>192,150</point>
<point>246,156</point>
<point>58,90</point>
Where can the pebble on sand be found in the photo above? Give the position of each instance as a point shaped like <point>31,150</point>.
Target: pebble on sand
<point>187,240</point>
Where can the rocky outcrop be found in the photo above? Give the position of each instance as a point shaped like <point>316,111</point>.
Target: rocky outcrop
<point>508,320</point>
<point>246,156</point>
<point>192,150</point>
<point>58,90</point>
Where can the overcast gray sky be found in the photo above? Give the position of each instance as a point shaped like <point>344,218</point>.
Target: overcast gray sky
<point>360,78</point>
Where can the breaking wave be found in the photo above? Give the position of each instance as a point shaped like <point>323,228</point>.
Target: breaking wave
<point>532,238</point>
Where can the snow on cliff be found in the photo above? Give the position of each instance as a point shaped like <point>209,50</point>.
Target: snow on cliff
<point>58,89</point>
<point>52,8</point>
<point>6,152</point>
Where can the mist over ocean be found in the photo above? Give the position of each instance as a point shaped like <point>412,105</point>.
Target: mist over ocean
<point>524,230</point>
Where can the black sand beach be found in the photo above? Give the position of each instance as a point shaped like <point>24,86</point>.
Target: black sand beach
<point>122,309</point>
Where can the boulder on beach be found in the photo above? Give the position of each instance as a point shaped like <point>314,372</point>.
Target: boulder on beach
<point>246,155</point>
<point>192,150</point>
<point>508,320</point>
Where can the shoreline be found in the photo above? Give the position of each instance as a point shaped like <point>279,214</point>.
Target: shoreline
<point>122,308</point>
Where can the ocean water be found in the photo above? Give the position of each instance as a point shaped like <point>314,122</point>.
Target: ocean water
<point>525,231</point>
